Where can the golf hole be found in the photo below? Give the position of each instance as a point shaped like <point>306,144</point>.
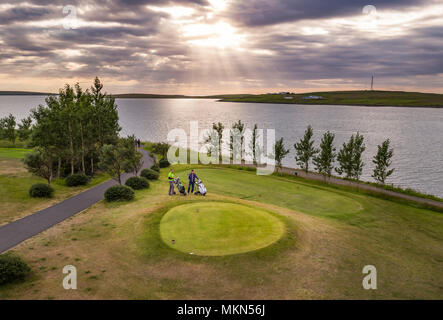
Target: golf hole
<point>219,228</point>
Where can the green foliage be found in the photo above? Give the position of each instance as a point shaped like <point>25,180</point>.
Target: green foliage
<point>382,161</point>
<point>12,268</point>
<point>133,159</point>
<point>119,193</point>
<point>150,174</point>
<point>112,160</point>
<point>41,190</point>
<point>156,167</point>
<point>349,157</point>
<point>39,162</point>
<point>324,162</point>
<point>237,140</point>
<point>75,180</point>
<point>214,140</point>
<point>160,148</point>
<point>24,128</point>
<point>75,124</point>
<point>164,163</point>
<point>137,183</point>
<point>304,150</point>
<point>280,153</point>
<point>7,128</point>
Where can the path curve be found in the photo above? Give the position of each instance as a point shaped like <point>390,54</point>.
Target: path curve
<point>20,230</point>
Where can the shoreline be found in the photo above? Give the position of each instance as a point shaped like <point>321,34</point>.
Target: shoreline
<point>331,104</point>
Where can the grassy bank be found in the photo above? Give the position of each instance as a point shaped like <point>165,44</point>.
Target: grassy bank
<point>15,182</point>
<point>357,98</point>
<point>330,234</point>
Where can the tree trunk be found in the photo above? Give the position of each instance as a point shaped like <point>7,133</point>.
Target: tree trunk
<point>71,146</point>
<point>92,165</point>
<point>59,167</point>
<point>83,149</point>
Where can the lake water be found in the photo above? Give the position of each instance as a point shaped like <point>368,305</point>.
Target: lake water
<point>416,134</point>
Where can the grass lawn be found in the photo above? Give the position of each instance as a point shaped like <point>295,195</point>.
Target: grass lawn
<point>218,228</point>
<point>330,235</point>
<point>15,182</point>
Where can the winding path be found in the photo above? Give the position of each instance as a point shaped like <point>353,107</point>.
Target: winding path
<point>20,230</point>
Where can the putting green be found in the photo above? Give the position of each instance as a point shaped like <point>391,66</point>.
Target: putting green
<point>219,228</point>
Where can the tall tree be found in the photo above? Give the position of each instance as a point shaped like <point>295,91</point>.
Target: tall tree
<point>237,138</point>
<point>280,153</point>
<point>304,150</point>
<point>133,158</point>
<point>8,125</point>
<point>254,145</point>
<point>324,161</point>
<point>382,161</point>
<point>113,160</point>
<point>350,157</point>
<point>39,162</point>
<point>25,128</point>
<point>214,139</point>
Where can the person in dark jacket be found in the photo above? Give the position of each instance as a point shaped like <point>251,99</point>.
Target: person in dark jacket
<point>191,177</point>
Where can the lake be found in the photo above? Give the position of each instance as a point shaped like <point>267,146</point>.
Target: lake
<point>416,134</point>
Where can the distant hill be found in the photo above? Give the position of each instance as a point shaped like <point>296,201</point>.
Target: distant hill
<point>352,98</point>
<point>355,98</point>
<point>24,93</point>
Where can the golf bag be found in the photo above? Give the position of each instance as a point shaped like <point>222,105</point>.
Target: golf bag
<point>180,186</point>
<point>201,188</point>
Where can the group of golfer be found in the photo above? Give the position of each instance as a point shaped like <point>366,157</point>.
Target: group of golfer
<point>192,177</point>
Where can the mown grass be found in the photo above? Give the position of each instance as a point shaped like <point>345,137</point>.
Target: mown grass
<point>219,228</point>
<point>119,254</point>
<point>15,182</point>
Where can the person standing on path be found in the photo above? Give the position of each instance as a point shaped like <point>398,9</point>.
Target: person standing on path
<point>191,177</point>
<point>171,177</point>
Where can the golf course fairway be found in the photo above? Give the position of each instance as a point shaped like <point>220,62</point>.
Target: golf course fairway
<point>219,228</point>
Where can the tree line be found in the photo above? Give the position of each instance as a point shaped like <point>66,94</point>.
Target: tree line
<point>349,157</point>
<point>76,131</point>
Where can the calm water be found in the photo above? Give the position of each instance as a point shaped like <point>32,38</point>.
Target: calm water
<point>416,134</point>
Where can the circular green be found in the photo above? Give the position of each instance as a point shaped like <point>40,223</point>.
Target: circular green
<point>219,228</point>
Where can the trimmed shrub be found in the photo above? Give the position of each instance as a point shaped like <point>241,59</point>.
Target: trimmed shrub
<point>75,180</point>
<point>119,193</point>
<point>164,163</point>
<point>150,174</point>
<point>137,183</point>
<point>155,167</point>
<point>12,268</point>
<point>41,190</point>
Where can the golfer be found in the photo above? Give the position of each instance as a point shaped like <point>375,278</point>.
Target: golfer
<point>192,176</point>
<point>171,177</point>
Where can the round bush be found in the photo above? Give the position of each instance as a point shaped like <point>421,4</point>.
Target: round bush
<point>155,167</point>
<point>137,183</point>
<point>164,163</point>
<point>150,174</point>
<point>75,180</point>
<point>12,268</point>
<point>119,193</point>
<point>41,190</point>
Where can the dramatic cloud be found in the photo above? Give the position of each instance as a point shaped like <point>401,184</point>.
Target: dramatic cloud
<point>215,46</point>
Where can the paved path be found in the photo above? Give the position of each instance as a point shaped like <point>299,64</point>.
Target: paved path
<point>20,230</point>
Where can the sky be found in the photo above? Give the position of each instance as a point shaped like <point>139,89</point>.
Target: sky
<point>202,47</point>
